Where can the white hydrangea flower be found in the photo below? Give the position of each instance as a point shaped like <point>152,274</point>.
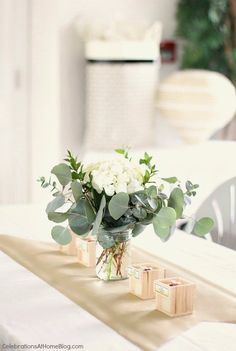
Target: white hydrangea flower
<point>114,176</point>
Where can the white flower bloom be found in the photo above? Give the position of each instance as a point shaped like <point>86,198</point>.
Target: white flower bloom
<point>134,186</point>
<point>114,176</point>
<point>109,189</point>
<point>121,187</point>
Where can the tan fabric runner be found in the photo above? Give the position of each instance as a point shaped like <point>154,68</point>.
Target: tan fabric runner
<point>110,302</point>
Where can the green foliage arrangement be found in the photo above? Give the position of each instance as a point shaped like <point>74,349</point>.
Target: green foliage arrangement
<point>116,195</point>
<point>208,30</point>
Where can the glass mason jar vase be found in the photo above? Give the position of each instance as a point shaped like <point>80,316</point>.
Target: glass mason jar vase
<point>113,254</point>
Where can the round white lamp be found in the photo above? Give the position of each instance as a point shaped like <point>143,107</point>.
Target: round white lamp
<point>196,103</point>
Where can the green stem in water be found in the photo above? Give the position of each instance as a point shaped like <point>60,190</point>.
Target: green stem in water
<point>109,266</point>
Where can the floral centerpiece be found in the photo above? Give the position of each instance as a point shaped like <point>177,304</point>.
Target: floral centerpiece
<point>115,200</point>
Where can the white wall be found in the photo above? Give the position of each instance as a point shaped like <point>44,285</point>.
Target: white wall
<point>14,123</point>
<point>57,108</point>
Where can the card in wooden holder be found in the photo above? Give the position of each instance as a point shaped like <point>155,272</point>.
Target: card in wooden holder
<point>174,296</point>
<point>141,279</point>
<point>86,251</point>
<point>71,248</point>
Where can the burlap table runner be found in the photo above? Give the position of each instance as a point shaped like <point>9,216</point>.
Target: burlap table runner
<point>135,319</point>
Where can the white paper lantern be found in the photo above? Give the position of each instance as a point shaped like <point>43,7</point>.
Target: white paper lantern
<point>196,103</point>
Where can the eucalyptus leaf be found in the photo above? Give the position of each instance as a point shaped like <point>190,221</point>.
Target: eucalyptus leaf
<point>138,229</point>
<point>105,239</point>
<point>99,216</point>
<point>162,232</point>
<point>77,191</point>
<point>148,219</point>
<point>170,180</point>
<point>151,191</point>
<point>176,201</point>
<point>110,222</point>
<point>81,217</point>
<point>55,203</point>
<point>203,226</point>
<point>163,223</point>
<point>63,173</point>
<point>118,205</point>
<point>139,212</point>
<point>189,185</point>
<point>57,217</point>
<point>139,198</point>
<point>61,235</point>
<point>166,217</point>
<point>152,203</point>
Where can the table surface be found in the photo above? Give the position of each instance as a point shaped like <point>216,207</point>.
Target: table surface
<point>208,261</point>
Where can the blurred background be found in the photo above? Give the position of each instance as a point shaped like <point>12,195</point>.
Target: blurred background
<point>94,75</point>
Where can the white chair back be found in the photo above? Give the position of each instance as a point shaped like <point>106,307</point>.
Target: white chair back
<point>221,206</point>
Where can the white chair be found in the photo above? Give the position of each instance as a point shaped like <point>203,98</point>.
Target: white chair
<point>221,207</point>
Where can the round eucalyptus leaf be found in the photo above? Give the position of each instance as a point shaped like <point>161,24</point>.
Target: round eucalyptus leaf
<point>166,217</point>
<point>203,226</point>
<point>57,217</point>
<point>55,203</point>
<point>138,229</point>
<point>81,217</point>
<point>63,173</point>
<point>139,212</point>
<point>61,235</point>
<point>162,232</point>
<point>77,191</point>
<point>118,205</point>
<point>105,239</point>
<point>176,201</point>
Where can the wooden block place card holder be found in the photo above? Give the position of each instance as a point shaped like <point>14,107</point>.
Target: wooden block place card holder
<point>86,251</point>
<point>174,296</point>
<point>83,248</point>
<point>142,277</point>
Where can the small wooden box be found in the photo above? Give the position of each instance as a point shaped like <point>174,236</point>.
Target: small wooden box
<point>71,248</point>
<point>141,279</point>
<point>86,251</point>
<point>174,296</point>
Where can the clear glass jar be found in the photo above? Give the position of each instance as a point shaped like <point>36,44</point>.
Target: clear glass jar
<point>113,254</point>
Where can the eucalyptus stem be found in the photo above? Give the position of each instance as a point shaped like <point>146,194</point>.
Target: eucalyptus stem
<point>110,266</point>
<point>113,257</point>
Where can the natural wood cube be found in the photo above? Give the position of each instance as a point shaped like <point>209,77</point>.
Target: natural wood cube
<point>174,296</point>
<point>141,279</point>
<point>71,248</point>
<point>86,251</point>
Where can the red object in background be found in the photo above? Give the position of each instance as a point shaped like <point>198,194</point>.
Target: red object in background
<point>168,51</point>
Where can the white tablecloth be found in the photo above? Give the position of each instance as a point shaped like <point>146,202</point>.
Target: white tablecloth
<point>32,312</point>
<point>205,337</point>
